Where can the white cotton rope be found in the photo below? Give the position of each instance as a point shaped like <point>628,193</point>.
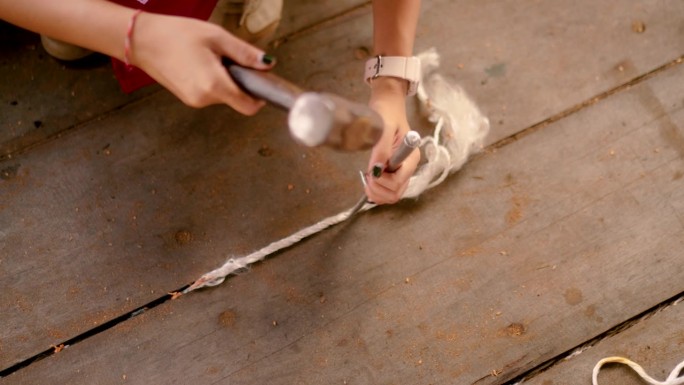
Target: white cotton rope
<point>460,129</point>
<point>675,378</point>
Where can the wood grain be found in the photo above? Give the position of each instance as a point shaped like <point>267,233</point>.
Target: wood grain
<point>655,343</point>
<point>89,221</point>
<point>452,288</point>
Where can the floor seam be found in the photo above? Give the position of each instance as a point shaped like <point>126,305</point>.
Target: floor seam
<point>578,349</point>
<point>584,104</point>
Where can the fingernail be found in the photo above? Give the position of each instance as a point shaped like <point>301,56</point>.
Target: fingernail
<point>268,59</point>
<point>377,170</point>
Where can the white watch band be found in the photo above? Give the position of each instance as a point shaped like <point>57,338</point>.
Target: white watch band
<point>402,67</point>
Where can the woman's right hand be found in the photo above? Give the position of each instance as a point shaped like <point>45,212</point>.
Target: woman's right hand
<point>184,55</point>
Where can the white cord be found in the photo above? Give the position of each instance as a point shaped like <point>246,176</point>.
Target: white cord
<point>675,377</point>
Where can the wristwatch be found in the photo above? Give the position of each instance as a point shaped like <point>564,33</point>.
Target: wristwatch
<point>402,67</point>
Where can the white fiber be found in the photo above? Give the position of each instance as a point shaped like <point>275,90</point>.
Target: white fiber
<point>675,377</point>
<point>460,129</point>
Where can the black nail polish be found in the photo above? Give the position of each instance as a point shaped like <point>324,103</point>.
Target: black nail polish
<point>267,59</point>
<point>377,170</point>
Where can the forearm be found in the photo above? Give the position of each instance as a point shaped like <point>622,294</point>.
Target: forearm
<point>394,30</point>
<point>98,25</point>
<point>394,26</point>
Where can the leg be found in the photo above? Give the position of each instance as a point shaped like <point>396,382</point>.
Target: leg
<point>254,21</point>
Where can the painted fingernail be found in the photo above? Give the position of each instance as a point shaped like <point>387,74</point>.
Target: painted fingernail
<point>268,59</point>
<point>377,170</point>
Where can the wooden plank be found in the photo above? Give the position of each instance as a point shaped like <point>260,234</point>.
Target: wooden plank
<point>110,244</point>
<point>299,15</point>
<point>41,97</point>
<point>537,247</point>
<point>655,343</point>
<point>138,177</point>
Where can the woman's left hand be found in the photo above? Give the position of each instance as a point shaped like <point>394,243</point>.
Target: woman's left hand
<point>388,98</point>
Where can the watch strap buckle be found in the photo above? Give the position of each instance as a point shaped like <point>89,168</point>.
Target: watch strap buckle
<point>402,67</point>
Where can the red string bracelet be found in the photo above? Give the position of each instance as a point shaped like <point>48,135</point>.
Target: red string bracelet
<point>129,35</point>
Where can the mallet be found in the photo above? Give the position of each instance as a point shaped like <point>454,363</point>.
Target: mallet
<point>314,118</point>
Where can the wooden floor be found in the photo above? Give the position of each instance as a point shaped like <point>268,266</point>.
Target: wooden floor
<point>565,235</point>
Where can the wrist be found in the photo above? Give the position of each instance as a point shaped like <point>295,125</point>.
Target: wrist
<point>406,68</point>
<point>388,98</point>
<point>389,87</point>
<point>129,37</point>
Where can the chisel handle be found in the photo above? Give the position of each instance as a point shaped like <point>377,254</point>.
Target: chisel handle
<point>411,142</point>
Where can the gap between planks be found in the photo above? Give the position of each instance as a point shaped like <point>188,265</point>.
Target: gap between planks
<point>72,128</point>
<point>89,333</point>
<point>579,349</point>
<point>589,102</point>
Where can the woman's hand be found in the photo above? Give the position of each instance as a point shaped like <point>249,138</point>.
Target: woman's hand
<point>184,55</point>
<point>388,98</point>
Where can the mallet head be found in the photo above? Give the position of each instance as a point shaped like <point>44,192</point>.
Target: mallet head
<point>317,119</point>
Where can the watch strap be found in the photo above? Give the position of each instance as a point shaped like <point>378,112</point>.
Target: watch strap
<point>402,67</point>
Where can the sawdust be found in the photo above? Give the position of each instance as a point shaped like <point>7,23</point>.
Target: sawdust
<point>183,237</point>
<point>73,292</point>
<point>638,26</point>
<point>56,334</point>
<point>471,251</point>
<point>23,304</point>
<point>227,319</point>
<point>590,311</point>
<point>446,336</point>
<point>294,295</point>
<point>515,330</point>
<point>573,296</point>
<point>515,213</point>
